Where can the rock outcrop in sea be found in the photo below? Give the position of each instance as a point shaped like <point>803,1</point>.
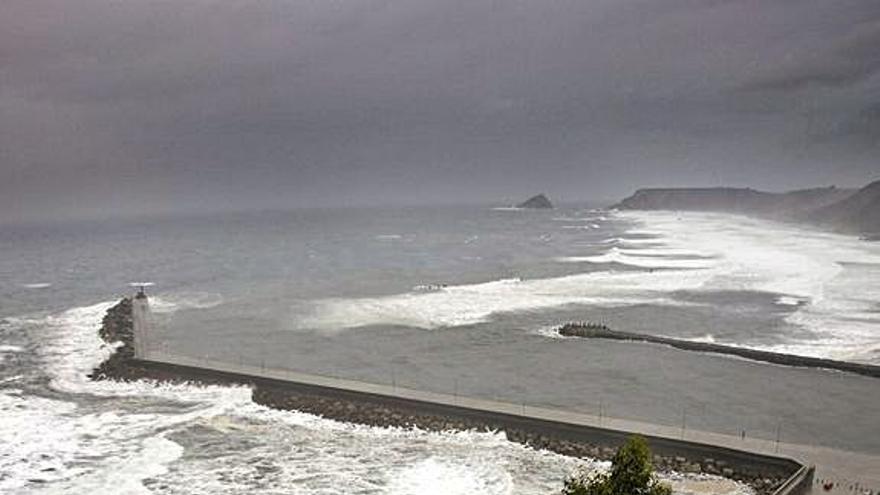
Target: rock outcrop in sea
<point>536,202</point>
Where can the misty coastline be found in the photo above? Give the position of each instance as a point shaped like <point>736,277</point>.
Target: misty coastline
<point>853,211</point>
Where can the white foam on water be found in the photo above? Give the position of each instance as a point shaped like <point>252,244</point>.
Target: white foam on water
<point>615,255</point>
<point>34,443</point>
<point>549,331</point>
<point>106,451</point>
<point>664,251</point>
<point>388,237</point>
<point>111,447</point>
<point>309,455</point>
<point>788,301</point>
<point>175,301</point>
<point>76,347</point>
<point>56,446</point>
<point>831,281</point>
<point>575,219</point>
<point>37,285</point>
<point>73,349</point>
<point>8,349</point>
<point>632,242</point>
<point>469,304</point>
<point>49,442</point>
<point>450,477</point>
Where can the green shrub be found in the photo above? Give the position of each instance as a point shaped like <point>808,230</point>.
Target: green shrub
<point>631,474</point>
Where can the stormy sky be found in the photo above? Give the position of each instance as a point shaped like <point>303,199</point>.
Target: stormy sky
<point>143,106</point>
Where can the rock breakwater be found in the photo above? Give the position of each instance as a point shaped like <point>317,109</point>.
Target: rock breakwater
<point>593,331</point>
<point>381,413</point>
<point>117,329</point>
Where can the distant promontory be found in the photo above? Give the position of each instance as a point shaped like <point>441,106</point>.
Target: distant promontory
<point>536,202</point>
<point>848,210</point>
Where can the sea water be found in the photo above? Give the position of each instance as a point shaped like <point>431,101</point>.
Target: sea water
<point>452,299</point>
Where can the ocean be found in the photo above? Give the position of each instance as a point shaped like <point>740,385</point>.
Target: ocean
<point>452,299</point>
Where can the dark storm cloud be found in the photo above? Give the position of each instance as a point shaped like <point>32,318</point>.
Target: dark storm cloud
<point>853,58</point>
<point>119,107</point>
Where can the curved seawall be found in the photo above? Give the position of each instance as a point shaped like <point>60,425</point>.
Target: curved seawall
<point>565,432</point>
<point>590,331</point>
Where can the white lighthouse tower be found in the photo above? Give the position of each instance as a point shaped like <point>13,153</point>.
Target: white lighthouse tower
<point>140,316</point>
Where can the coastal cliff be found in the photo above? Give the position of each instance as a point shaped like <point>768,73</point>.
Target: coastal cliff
<point>733,200</point>
<point>845,210</point>
<point>859,212</point>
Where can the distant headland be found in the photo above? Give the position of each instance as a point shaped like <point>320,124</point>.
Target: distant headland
<point>847,210</point>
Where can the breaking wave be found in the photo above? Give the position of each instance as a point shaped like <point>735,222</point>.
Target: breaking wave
<point>830,281</point>
<point>624,257</point>
<point>171,302</point>
<point>37,285</point>
<point>470,304</point>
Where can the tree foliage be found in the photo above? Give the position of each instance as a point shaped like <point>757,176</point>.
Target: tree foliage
<point>631,474</point>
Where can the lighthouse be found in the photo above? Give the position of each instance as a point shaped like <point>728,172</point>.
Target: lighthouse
<point>140,317</point>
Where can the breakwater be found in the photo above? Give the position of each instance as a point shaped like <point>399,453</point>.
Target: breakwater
<point>765,474</point>
<point>372,404</point>
<point>117,328</point>
<point>593,331</point>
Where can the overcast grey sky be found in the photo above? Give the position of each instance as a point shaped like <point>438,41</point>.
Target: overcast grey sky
<point>109,107</point>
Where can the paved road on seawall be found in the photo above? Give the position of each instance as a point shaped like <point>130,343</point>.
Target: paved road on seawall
<point>832,464</point>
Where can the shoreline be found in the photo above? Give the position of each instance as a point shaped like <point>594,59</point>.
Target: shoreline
<point>593,331</point>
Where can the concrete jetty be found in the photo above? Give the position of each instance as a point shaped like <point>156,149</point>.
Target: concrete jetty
<point>752,460</point>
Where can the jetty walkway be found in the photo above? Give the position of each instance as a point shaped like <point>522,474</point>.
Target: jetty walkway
<point>830,463</point>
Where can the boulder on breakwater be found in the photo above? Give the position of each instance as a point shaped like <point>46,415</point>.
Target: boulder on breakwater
<point>117,329</point>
